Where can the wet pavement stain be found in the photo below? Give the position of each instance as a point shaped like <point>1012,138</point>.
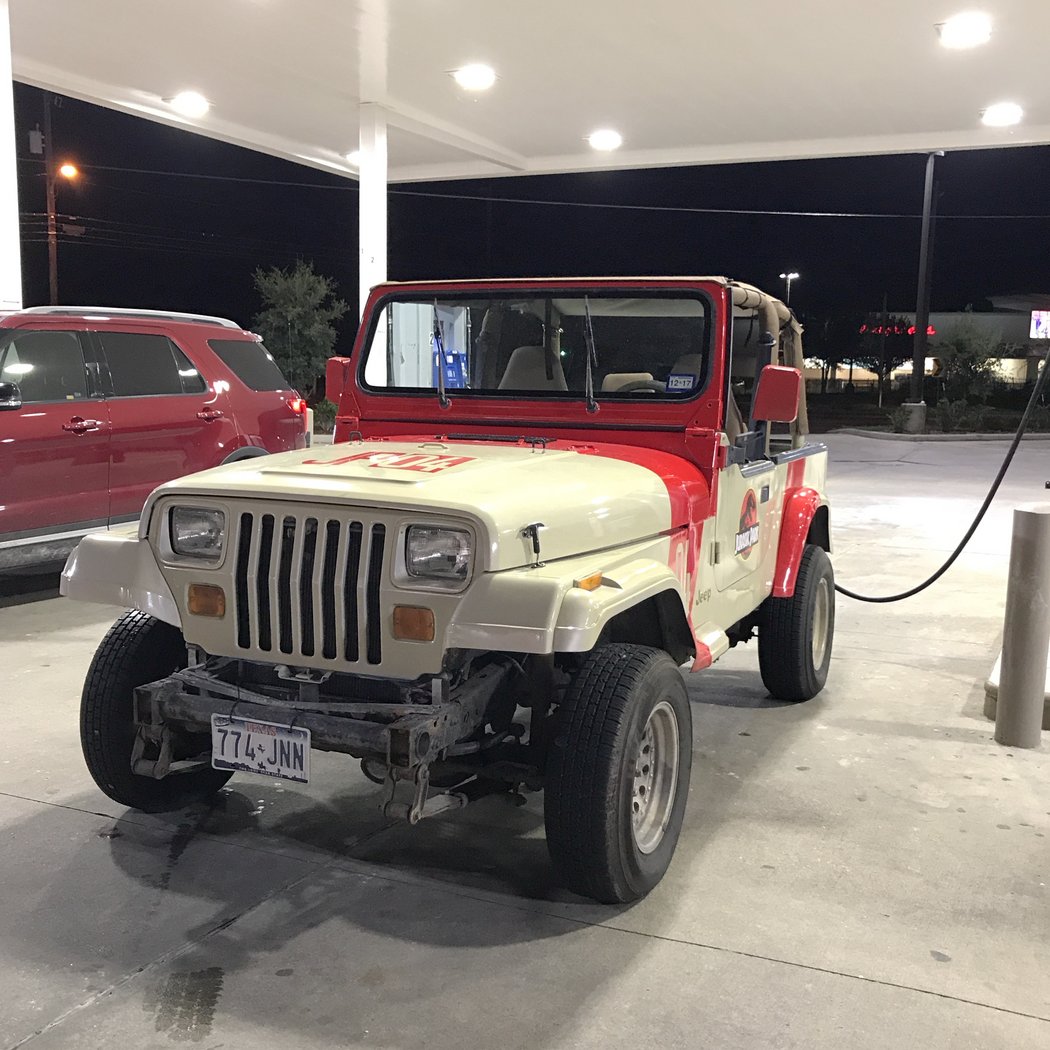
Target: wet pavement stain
<point>179,842</point>
<point>372,978</point>
<point>185,1005</point>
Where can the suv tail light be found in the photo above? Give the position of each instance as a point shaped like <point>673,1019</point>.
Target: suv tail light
<point>297,405</point>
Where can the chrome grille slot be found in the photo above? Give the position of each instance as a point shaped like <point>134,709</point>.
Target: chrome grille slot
<point>375,578</point>
<point>350,598</point>
<point>244,553</point>
<point>284,584</point>
<point>262,582</point>
<point>329,643</point>
<point>309,586</point>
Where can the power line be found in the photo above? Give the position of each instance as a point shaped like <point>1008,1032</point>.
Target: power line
<point>673,209</point>
<point>171,249</point>
<point>33,222</point>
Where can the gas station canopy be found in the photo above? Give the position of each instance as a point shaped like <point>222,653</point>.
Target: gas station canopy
<point>681,82</point>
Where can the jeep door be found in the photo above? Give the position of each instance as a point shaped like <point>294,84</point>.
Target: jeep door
<point>747,525</point>
<point>54,448</point>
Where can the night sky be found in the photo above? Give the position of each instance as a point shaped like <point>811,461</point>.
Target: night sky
<point>169,242</point>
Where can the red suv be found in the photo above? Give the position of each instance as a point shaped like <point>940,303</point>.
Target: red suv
<point>99,406</point>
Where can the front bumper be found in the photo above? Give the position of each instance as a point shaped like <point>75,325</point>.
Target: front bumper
<point>401,735</point>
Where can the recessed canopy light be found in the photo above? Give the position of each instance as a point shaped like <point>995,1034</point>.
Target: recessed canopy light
<point>475,77</point>
<point>1002,115</point>
<point>968,29</point>
<point>190,104</point>
<point>354,158</point>
<point>605,139</point>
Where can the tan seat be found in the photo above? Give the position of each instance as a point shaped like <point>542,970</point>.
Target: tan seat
<point>527,370</point>
<point>615,380</point>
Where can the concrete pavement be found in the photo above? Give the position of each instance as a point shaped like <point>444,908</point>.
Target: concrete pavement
<point>868,867</point>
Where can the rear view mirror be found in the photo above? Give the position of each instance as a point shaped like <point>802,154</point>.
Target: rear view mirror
<point>10,396</point>
<point>777,396</point>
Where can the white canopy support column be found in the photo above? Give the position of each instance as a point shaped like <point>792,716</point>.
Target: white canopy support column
<point>372,184</point>
<point>10,241</point>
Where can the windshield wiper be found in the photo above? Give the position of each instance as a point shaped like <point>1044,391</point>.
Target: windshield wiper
<point>592,357</point>
<point>443,399</point>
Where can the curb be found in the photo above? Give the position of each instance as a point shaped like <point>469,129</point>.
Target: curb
<point>882,435</point>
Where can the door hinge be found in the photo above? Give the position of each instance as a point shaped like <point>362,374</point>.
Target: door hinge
<point>716,551</point>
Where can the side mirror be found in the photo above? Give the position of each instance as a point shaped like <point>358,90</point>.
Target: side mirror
<point>336,373</point>
<point>10,396</point>
<point>777,395</point>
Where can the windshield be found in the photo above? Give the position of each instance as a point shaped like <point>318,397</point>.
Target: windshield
<point>649,346</point>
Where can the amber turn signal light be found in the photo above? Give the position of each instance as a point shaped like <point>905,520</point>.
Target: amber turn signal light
<point>589,583</point>
<point>205,599</point>
<point>412,623</point>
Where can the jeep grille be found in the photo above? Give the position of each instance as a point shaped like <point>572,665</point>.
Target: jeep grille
<point>308,585</point>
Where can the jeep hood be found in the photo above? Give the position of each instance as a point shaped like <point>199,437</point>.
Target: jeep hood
<point>585,497</point>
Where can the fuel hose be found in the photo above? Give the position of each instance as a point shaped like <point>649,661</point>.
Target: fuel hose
<point>1037,390</point>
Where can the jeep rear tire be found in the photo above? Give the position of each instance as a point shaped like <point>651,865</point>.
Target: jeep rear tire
<point>137,649</point>
<point>618,773</point>
<point>795,634</point>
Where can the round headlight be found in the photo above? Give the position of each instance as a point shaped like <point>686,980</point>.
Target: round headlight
<point>198,533</point>
<point>438,554</point>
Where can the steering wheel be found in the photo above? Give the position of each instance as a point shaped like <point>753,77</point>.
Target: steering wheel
<point>650,386</point>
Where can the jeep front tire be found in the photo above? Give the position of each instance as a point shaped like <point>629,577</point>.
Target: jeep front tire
<point>795,634</point>
<point>137,649</point>
<point>618,773</point>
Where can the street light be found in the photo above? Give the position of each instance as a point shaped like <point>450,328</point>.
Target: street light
<point>68,171</point>
<point>787,278</point>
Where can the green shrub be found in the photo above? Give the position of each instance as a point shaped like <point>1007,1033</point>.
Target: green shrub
<point>324,417</point>
<point>953,416</point>
<point>897,419</point>
<point>968,363</point>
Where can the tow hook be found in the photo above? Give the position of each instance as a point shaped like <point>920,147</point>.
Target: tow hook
<point>417,781</point>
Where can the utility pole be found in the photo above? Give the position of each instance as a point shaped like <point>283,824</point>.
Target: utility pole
<point>882,344</point>
<point>916,421</point>
<point>52,219</point>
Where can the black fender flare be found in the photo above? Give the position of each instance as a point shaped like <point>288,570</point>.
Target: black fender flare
<point>246,452</point>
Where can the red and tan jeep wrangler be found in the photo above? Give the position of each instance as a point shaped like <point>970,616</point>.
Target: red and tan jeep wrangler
<point>543,500</point>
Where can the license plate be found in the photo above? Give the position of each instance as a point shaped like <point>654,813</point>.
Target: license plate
<point>271,750</point>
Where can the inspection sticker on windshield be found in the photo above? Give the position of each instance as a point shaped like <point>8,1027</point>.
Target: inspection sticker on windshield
<point>266,748</point>
<point>685,382</point>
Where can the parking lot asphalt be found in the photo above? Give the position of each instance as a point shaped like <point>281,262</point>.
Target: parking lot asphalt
<point>867,869</point>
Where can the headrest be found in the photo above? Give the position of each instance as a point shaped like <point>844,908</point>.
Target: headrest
<point>614,380</point>
<point>527,370</point>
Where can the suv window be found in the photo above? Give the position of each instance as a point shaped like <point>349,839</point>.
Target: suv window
<point>47,366</point>
<point>142,364</point>
<point>250,362</point>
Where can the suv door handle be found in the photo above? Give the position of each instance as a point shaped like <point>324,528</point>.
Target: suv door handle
<point>209,415</point>
<point>79,425</point>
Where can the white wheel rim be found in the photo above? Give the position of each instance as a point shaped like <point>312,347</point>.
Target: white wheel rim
<point>821,620</point>
<point>655,778</point>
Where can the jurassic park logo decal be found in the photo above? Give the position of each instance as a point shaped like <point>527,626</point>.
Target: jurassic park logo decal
<point>423,464</point>
<point>747,535</point>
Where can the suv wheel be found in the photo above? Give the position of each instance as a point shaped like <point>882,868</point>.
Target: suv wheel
<point>618,774</point>
<point>795,634</point>
<point>137,649</point>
